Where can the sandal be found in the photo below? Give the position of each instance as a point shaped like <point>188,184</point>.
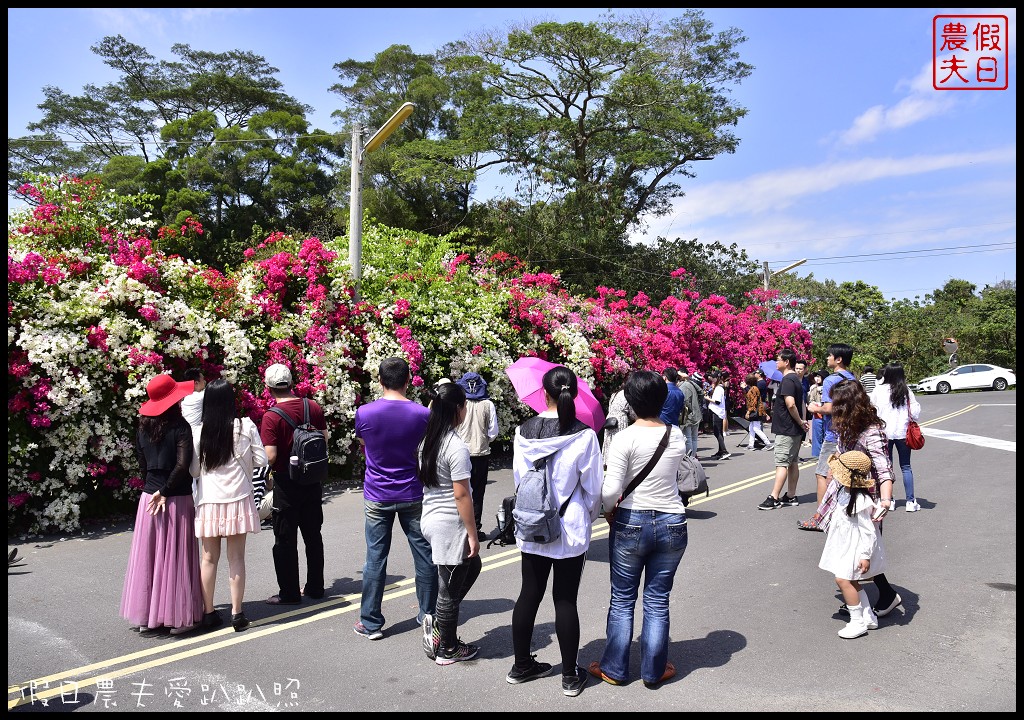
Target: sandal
<point>811,524</point>
<point>596,671</point>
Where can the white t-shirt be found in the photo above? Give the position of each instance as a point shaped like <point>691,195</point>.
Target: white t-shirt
<point>631,449</point>
<point>717,405</point>
<point>192,408</point>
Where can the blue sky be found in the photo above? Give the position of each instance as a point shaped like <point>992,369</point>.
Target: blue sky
<point>848,156</point>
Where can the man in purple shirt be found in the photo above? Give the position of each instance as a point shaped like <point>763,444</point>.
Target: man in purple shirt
<point>391,429</point>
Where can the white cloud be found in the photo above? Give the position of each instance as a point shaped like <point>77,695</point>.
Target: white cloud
<point>922,103</point>
<point>773,191</point>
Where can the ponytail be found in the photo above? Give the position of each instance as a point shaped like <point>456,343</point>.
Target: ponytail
<point>560,383</point>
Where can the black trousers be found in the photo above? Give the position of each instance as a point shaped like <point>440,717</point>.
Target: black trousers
<point>478,485</point>
<point>716,427</point>
<point>308,518</point>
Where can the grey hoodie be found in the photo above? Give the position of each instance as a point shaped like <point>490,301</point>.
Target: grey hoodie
<point>575,468</point>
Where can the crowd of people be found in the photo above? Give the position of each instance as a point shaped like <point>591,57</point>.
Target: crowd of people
<point>427,467</point>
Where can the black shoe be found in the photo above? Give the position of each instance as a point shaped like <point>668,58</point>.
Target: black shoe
<point>884,608</point>
<point>572,685</point>
<point>535,670</point>
<point>239,621</point>
<point>314,594</point>
<point>770,503</point>
<point>481,535</point>
<point>787,501</point>
<point>212,620</point>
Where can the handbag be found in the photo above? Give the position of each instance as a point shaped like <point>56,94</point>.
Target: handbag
<point>609,515</point>
<point>915,438</point>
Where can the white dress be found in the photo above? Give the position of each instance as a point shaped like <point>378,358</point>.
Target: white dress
<point>852,538</point>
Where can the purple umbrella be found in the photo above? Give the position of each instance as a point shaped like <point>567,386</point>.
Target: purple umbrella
<point>771,370</point>
<point>527,376</point>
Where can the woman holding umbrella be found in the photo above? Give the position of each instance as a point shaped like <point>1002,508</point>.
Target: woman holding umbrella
<point>569,449</point>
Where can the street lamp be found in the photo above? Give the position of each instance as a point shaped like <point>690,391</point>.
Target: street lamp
<point>768,276</point>
<point>355,221</point>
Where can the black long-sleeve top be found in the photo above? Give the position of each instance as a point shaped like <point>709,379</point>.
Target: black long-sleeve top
<point>165,464</point>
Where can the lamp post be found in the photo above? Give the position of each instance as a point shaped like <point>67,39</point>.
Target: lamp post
<point>355,221</point>
<point>769,274</point>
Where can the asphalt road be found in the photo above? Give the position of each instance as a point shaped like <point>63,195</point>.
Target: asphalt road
<point>754,620</point>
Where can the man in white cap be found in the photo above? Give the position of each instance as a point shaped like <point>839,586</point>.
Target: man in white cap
<point>297,508</point>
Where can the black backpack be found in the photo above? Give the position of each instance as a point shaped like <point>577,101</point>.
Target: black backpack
<point>506,523</point>
<point>309,446</point>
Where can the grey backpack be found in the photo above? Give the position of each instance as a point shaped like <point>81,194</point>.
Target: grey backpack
<point>691,479</point>
<point>537,518</point>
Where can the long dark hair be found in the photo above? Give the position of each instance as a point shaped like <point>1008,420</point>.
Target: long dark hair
<point>217,438</point>
<point>855,492</point>
<point>445,403</point>
<point>560,383</point>
<point>852,412</point>
<point>155,428</point>
<point>895,377</point>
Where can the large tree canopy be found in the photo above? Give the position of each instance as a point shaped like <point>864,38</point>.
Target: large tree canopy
<point>606,115</point>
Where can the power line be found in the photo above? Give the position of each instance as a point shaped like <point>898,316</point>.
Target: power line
<point>893,232</point>
<point>902,252</point>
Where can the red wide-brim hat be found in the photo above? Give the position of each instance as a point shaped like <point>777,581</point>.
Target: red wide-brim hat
<point>163,392</point>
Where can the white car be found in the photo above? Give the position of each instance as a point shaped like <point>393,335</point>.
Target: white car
<point>967,377</point>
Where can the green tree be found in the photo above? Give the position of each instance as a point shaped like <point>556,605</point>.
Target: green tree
<point>596,122</point>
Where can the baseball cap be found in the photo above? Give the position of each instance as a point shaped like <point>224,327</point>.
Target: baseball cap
<point>278,376</point>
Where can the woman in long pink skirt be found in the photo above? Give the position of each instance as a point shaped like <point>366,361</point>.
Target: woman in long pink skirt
<point>162,588</point>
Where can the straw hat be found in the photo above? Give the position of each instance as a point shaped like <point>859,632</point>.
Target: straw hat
<point>163,392</point>
<point>852,469</point>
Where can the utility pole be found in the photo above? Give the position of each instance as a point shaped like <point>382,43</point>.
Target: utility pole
<point>355,220</point>
<point>768,274</point>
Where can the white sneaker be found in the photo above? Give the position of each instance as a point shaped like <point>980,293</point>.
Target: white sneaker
<point>913,506</point>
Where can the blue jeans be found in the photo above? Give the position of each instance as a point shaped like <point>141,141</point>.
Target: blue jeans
<point>903,452</point>
<point>817,436</point>
<point>651,543</point>
<point>690,433</point>
<point>379,521</point>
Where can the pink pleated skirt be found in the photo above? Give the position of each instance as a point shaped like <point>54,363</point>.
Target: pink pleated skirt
<point>226,519</point>
<point>162,585</point>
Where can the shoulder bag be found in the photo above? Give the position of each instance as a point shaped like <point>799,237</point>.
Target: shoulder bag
<point>609,515</point>
<point>915,438</point>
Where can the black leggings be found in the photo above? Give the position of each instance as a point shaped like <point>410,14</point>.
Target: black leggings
<point>564,591</point>
<point>454,581</point>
